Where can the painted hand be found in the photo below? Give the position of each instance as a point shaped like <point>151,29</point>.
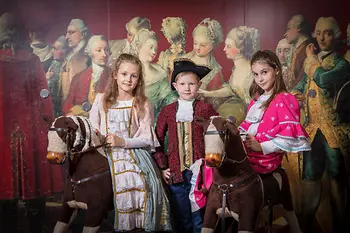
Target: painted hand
<point>310,50</point>
<point>114,140</point>
<point>49,75</point>
<point>252,143</point>
<point>204,93</point>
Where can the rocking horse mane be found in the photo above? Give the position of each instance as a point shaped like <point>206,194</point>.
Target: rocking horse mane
<point>83,132</point>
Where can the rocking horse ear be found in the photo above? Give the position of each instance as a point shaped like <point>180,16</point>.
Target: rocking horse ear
<point>70,124</point>
<point>231,119</point>
<point>231,125</point>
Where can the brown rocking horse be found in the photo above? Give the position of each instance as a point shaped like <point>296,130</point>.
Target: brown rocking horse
<point>89,183</point>
<point>237,190</point>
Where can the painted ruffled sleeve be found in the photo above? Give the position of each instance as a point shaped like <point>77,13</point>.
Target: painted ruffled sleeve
<point>145,135</point>
<point>288,134</point>
<point>94,114</point>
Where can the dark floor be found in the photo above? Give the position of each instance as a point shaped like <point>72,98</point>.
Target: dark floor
<point>21,222</point>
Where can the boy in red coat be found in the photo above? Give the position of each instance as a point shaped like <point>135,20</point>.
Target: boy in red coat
<point>185,141</point>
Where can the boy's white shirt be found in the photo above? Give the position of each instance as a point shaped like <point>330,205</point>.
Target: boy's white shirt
<point>185,111</point>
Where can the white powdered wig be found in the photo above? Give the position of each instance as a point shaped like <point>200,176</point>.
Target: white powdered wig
<point>56,144</point>
<point>213,142</point>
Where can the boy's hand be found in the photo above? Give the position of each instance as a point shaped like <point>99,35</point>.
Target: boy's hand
<point>166,175</point>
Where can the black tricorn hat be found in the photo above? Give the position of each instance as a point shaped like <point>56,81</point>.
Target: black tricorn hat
<point>186,65</point>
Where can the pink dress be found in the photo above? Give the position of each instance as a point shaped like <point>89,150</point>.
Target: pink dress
<point>277,128</point>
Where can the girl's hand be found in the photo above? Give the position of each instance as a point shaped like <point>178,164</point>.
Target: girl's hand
<point>114,140</point>
<point>166,175</point>
<point>252,143</point>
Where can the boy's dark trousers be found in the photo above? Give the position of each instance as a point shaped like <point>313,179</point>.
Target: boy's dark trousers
<point>185,221</point>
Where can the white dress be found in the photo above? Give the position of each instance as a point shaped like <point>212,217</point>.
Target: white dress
<point>139,197</point>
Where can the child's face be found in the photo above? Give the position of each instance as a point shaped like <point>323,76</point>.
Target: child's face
<point>264,76</point>
<point>187,86</point>
<point>127,77</point>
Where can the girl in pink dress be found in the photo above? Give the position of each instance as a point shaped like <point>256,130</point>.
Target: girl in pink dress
<point>272,127</point>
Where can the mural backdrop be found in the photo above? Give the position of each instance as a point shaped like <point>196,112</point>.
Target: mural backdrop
<point>78,43</point>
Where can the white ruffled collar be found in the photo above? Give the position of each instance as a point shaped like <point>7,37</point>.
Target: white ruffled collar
<point>185,111</point>
<point>97,70</point>
<point>256,112</point>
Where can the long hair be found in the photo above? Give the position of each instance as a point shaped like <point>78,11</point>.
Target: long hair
<point>271,59</point>
<point>111,92</point>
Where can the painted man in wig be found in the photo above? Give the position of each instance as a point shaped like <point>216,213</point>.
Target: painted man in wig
<point>326,73</point>
<point>25,174</point>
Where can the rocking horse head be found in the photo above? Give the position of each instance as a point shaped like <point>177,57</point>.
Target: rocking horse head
<point>222,141</point>
<point>69,137</point>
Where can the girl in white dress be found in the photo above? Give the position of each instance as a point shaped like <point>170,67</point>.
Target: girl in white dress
<point>124,116</point>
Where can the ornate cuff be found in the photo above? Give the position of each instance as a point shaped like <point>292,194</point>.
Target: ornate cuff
<point>310,65</point>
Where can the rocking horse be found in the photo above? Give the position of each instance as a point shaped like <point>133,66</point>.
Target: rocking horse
<point>237,190</point>
<point>89,183</point>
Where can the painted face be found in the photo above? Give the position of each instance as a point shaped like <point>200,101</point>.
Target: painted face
<point>230,49</point>
<point>187,86</point>
<point>127,77</point>
<point>57,51</point>
<point>148,50</point>
<point>292,33</point>
<point>130,34</point>
<point>99,52</point>
<point>73,36</point>
<point>324,36</point>
<point>283,49</point>
<point>264,76</point>
<point>202,46</point>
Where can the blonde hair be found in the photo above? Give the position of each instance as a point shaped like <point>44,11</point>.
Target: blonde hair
<point>179,75</point>
<point>111,92</point>
<point>246,40</point>
<point>212,29</point>
<point>140,38</point>
<point>138,23</point>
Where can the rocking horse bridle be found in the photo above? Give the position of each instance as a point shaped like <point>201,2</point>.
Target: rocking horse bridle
<point>226,135</point>
<point>70,152</point>
<point>225,187</point>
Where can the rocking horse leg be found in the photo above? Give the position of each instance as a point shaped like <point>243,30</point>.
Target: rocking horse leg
<point>67,216</point>
<point>91,229</point>
<point>207,230</point>
<point>94,217</point>
<point>292,221</point>
<point>61,227</point>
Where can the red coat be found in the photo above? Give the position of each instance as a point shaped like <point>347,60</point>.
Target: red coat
<point>166,122</point>
<point>80,86</point>
<point>25,173</point>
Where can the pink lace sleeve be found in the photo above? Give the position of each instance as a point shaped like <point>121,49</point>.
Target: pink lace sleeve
<point>145,136</point>
<point>288,135</point>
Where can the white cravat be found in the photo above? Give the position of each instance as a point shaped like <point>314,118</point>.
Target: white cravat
<point>185,111</point>
<point>97,70</point>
